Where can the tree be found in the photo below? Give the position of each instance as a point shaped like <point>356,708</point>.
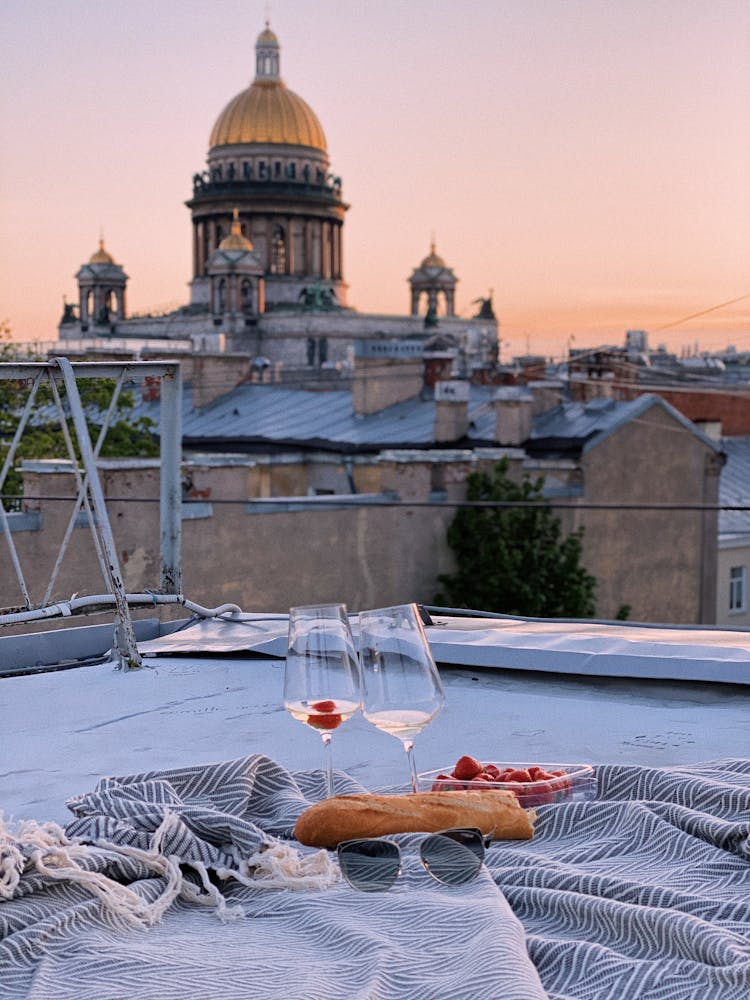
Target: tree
<point>43,436</point>
<point>514,560</point>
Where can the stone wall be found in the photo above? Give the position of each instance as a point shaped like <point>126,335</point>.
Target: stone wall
<point>662,563</point>
<point>244,542</point>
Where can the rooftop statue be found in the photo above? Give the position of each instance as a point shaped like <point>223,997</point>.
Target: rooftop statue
<point>317,297</point>
<point>485,308</point>
<point>69,313</point>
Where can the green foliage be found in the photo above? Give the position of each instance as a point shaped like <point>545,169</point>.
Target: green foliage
<point>515,560</point>
<point>43,438</point>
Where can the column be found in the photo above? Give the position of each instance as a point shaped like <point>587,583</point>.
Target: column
<point>340,250</point>
<point>317,248</point>
<point>325,256</point>
<point>202,250</point>
<point>308,248</point>
<point>290,246</point>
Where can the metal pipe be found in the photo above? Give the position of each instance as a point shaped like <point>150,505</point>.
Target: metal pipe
<point>170,495</point>
<point>66,609</point>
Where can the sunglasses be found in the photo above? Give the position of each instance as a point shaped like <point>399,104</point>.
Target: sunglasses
<point>450,856</point>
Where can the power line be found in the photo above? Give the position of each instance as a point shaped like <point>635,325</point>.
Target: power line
<point>355,501</point>
<point>703,312</point>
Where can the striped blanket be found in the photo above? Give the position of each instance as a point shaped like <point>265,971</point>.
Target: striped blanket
<point>643,892</point>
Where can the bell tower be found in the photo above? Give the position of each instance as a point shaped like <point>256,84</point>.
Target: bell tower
<point>101,290</point>
<point>237,286</point>
<point>433,279</point>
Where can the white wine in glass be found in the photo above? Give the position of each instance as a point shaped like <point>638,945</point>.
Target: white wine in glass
<point>322,676</point>
<point>401,688</point>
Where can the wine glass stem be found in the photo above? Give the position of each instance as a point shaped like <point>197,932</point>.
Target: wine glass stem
<point>326,737</point>
<point>409,747</point>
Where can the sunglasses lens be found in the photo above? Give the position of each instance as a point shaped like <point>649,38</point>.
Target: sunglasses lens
<point>369,865</point>
<point>453,856</point>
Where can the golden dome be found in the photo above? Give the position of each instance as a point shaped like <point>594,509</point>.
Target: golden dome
<point>101,256</point>
<point>234,240</point>
<point>433,259</point>
<point>267,37</point>
<point>268,112</point>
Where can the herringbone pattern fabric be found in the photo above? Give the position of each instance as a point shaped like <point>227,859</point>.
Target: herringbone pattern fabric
<point>58,943</point>
<point>641,893</point>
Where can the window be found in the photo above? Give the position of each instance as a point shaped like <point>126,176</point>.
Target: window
<point>278,251</point>
<point>246,294</point>
<point>737,588</point>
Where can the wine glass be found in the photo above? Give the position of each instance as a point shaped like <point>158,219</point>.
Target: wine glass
<point>402,690</point>
<point>322,674</point>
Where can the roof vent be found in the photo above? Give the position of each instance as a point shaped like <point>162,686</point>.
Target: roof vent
<point>599,405</point>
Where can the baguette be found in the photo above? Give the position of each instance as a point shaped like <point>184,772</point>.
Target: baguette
<point>347,817</point>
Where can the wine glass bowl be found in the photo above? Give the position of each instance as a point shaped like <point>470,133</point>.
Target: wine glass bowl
<point>322,674</point>
<point>402,691</point>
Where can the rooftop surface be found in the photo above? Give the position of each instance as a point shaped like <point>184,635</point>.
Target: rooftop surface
<point>64,729</point>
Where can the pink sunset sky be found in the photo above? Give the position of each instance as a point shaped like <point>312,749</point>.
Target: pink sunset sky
<point>588,160</point>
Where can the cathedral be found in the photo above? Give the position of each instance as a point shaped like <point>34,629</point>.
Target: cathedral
<point>267,279</point>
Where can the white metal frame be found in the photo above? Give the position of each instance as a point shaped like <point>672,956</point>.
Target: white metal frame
<point>90,496</point>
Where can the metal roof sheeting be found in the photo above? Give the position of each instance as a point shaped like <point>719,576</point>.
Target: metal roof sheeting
<point>280,415</point>
<point>734,486</point>
<point>274,414</point>
<point>589,423</point>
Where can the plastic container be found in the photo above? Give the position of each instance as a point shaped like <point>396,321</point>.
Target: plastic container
<point>578,783</point>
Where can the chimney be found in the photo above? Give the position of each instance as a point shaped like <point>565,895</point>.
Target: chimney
<point>215,375</point>
<point>513,412</point>
<point>437,367</point>
<point>451,410</point>
<point>385,372</point>
<point>711,428</point>
<point>546,395</point>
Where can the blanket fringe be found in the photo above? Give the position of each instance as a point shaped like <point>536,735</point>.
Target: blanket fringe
<point>43,847</point>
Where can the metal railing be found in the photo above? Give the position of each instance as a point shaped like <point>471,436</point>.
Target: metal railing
<point>90,496</point>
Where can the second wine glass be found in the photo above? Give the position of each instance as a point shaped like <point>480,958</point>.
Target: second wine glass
<point>402,691</point>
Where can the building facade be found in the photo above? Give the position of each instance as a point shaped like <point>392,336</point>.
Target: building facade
<point>288,494</point>
<point>267,277</point>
